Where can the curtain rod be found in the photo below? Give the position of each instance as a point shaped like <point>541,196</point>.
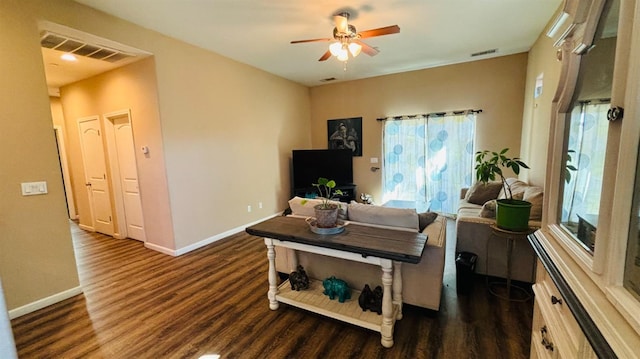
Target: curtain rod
<point>432,114</point>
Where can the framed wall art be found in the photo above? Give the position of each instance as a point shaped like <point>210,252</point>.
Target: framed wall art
<point>345,133</point>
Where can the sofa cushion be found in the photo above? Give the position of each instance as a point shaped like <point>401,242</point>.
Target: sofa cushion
<point>517,187</point>
<point>481,192</point>
<point>463,204</point>
<point>534,195</point>
<point>425,219</point>
<point>473,216</point>
<point>386,216</point>
<point>488,209</point>
<point>304,207</point>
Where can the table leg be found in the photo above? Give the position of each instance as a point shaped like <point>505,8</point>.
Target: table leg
<point>509,252</point>
<point>273,284</point>
<point>292,256</point>
<point>397,287</point>
<point>386,329</point>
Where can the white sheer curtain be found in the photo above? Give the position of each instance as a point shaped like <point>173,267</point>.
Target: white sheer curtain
<point>587,149</point>
<point>427,159</point>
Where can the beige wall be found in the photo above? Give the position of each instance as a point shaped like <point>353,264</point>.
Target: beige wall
<point>36,254</point>
<point>132,87</point>
<point>227,130</point>
<point>537,111</point>
<point>56,111</point>
<point>495,85</point>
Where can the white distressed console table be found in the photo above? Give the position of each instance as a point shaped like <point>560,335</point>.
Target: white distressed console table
<point>384,247</point>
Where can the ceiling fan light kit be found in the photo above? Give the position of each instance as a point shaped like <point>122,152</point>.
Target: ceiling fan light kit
<point>346,40</point>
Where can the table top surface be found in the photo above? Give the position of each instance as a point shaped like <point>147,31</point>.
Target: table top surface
<point>398,245</point>
<point>501,231</point>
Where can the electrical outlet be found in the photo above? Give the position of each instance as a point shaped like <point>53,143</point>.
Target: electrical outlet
<point>260,205</point>
<point>249,208</point>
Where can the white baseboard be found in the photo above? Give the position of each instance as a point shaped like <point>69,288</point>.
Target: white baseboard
<point>217,237</point>
<point>44,302</point>
<point>160,249</point>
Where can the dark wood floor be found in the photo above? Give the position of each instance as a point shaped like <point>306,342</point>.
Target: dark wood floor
<point>138,303</point>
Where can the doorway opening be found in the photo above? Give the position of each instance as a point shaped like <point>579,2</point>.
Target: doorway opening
<point>95,142</point>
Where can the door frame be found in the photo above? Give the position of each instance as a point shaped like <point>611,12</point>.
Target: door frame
<point>112,154</point>
<point>64,164</point>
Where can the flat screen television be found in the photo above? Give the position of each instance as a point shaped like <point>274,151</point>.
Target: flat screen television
<point>309,165</point>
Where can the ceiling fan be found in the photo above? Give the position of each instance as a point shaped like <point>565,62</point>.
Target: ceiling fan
<point>346,40</point>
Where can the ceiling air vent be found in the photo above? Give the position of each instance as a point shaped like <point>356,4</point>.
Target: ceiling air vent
<point>486,52</point>
<point>328,79</point>
<point>63,43</point>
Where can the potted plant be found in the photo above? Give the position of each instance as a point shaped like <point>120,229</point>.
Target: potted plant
<point>511,214</point>
<point>327,211</point>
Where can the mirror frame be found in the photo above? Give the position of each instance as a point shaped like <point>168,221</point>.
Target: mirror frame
<point>572,44</point>
<point>606,266</point>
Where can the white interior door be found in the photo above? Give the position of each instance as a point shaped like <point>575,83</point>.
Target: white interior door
<point>96,174</point>
<point>123,164</point>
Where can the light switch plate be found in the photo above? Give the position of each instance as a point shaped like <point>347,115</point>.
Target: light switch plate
<point>34,188</point>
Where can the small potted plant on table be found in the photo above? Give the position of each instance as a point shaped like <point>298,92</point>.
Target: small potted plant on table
<point>327,211</point>
<point>511,214</point>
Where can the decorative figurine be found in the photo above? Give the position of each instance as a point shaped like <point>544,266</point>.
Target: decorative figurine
<point>376,301</point>
<point>365,298</point>
<point>371,300</point>
<point>336,287</point>
<point>299,279</point>
<point>366,198</point>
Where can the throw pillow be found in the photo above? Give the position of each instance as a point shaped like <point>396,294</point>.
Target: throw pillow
<point>517,187</point>
<point>488,209</point>
<point>384,216</point>
<point>481,192</point>
<point>534,195</point>
<point>425,219</point>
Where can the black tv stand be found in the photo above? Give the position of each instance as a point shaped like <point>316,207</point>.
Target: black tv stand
<point>349,191</point>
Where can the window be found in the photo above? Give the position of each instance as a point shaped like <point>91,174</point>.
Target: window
<point>428,159</point>
<point>584,173</point>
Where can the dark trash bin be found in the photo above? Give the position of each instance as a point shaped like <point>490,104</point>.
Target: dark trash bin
<point>465,270</point>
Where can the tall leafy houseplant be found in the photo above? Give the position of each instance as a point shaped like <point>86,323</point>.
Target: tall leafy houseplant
<point>327,211</point>
<point>511,214</point>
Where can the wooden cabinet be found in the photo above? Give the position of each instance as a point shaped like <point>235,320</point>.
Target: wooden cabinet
<point>555,332</point>
<point>588,279</point>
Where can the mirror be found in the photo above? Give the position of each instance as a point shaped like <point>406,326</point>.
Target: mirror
<point>586,133</point>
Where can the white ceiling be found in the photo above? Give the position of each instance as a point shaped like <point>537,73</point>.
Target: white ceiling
<point>258,32</point>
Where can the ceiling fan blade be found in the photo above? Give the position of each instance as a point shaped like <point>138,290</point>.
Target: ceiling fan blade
<point>367,49</point>
<point>341,23</point>
<point>388,30</point>
<point>309,40</point>
<point>325,56</point>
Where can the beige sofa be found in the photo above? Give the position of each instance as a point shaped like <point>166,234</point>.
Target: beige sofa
<point>473,230</point>
<point>421,283</point>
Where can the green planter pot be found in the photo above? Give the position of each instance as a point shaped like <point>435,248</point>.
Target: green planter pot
<point>513,214</point>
